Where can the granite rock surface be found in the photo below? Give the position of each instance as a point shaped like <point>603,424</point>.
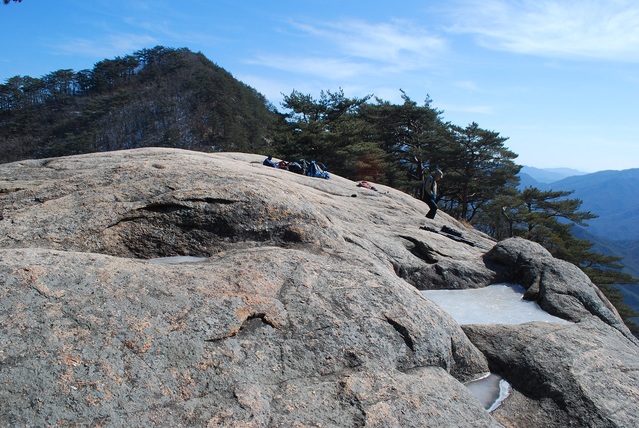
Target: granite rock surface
<point>303,311</point>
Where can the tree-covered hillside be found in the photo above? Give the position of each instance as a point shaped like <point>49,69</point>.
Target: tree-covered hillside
<point>153,97</point>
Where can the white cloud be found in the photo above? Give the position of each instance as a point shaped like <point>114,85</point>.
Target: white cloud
<point>271,88</point>
<point>468,85</point>
<point>398,42</point>
<point>580,29</point>
<point>352,52</point>
<point>108,47</point>
<point>349,48</point>
<point>328,68</point>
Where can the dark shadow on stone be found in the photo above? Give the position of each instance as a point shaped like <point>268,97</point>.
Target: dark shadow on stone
<point>213,201</point>
<point>359,417</point>
<point>420,250</point>
<point>164,208</point>
<point>403,331</point>
<point>254,322</point>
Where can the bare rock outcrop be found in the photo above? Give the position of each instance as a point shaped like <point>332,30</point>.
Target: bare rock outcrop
<point>582,374</point>
<point>265,336</point>
<point>560,288</point>
<point>304,310</point>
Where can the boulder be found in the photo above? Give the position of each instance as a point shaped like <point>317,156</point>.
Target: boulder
<point>560,288</point>
<point>265,334</point>
<point>584,374</point>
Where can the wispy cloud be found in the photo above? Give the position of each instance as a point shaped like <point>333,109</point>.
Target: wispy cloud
<point>468,85</point>
<point>113,29</point>
<point>578,29</point>
<point>397,42</point>
<point>326,67</point>
<point>354,48</point>
<point>109,46</point>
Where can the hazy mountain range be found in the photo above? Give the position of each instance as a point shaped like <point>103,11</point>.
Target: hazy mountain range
<point>612,195</point>
<point>537,177</point>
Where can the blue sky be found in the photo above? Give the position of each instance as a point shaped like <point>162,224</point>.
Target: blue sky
<point>559,78</point>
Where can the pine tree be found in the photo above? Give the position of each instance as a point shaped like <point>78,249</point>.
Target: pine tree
<point>412,135</point>
<point>330,130</point>
<point>478,166</point>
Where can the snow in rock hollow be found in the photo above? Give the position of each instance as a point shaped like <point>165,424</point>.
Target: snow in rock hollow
<point>495,304</point>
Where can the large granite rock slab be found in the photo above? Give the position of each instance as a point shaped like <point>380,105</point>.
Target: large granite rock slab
<point>304,310</point>
<point>269,336</point>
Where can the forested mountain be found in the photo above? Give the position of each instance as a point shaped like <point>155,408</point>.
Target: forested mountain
<point>626,249</point>
<point>608,194</point>
<point>612,196</point>
<point>154,97</point>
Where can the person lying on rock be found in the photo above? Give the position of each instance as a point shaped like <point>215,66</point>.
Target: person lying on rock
<point>269,162</point>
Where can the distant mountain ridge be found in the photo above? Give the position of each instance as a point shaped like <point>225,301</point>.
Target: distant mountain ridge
<point>612,195</point>
<point>609,194</point>
<point>549,175</point>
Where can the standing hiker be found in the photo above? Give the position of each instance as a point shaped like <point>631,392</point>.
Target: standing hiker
<point>430,192</point>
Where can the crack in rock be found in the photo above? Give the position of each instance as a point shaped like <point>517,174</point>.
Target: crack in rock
<point>403,331</point>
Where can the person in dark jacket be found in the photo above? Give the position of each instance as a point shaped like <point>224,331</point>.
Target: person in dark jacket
<point>269,162</point>
<point>430,192</point>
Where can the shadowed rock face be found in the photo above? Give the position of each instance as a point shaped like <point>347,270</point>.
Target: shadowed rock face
<point>305,312</point>
<point>581,374</point>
